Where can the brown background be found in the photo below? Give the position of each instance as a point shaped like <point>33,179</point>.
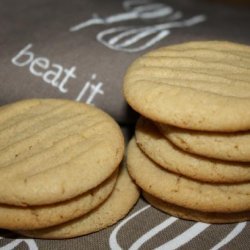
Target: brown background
<point>46,23</point>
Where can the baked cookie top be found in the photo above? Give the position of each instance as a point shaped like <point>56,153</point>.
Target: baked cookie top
<point>52,150</point>
<point>197,85</point>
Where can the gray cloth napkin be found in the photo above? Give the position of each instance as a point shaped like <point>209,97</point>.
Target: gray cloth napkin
<point>81,49</point>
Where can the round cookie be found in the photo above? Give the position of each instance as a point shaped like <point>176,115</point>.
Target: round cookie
<point>182,191</point>
<point>215,51</point>
<point>223,146</point>
<point>27,218</point>
<point>52,150</point>
<point>161,151</point>
<point>197,85</point>
<point>189,214</point>
<point>121,200</point>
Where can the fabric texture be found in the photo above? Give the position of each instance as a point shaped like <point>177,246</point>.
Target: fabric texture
<point>80,50</point>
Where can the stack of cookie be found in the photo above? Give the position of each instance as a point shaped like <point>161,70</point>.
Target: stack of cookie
<point>59,169</point>
<point>191,152</point>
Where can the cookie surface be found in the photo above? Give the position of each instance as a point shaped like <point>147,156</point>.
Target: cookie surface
<point>196,85</point>
<point>195,215</point>
<point>27,218</point>
<point>182,191</point>
<point>52,150</point>
<point>121,200</point>
<point>223,146</point>
<point>161,151</point>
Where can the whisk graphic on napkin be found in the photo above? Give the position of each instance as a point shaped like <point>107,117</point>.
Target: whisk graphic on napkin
<point>134,38</point>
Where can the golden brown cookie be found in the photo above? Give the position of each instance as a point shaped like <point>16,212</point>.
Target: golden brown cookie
<point>184,192</point>
<point>189,214</point>
<point>122,199</point>
<point>197,85</point>
<point>52,150</point>
<point>160,150</point>
<point>224,146</point>
<point>27,218</point>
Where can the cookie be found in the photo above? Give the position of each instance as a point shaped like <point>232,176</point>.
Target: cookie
<point>161,151</point>
<point>216,51</point>
<point>224,146</point>
<point>52,150</point>
<point>121,200</point>
<point>20,218</point>
<point>197,85</point>
<point>195,215</point>
<point>184,192</point>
